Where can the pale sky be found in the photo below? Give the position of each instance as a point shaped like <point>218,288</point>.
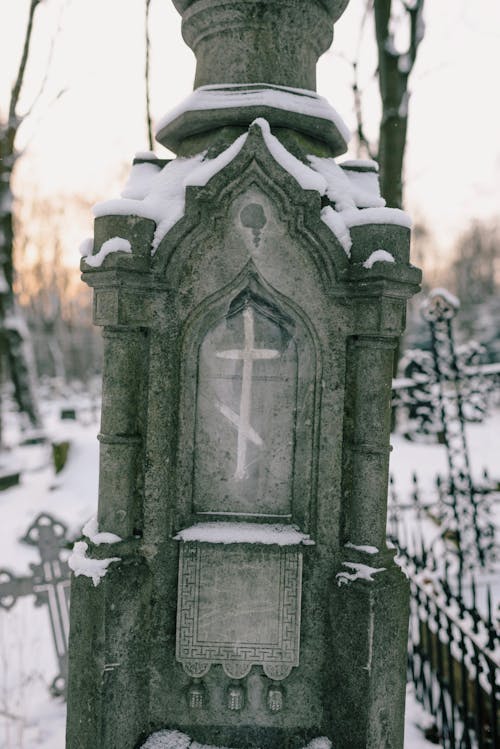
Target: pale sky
<point>81,143</point>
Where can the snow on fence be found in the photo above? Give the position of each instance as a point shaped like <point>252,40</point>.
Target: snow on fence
<point>428,514</point>
<point>449,382</point>
<point>453,655</point>
<point>415,393</point>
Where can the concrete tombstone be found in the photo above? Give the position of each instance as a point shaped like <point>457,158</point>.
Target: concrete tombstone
<point>252,292</point>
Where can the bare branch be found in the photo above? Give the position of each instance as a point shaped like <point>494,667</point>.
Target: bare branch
<point>363,141</point>
<point>16,88</point>
<point>360,131</point>
<point>364,20</point>
<point>393,81</point>
<point>48,66</point>
<point>148,75</point>
<point>38,119</point>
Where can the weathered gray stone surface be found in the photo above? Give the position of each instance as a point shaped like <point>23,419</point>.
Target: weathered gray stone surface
<point>271,41</point>
<point>213,126</point>
<point>247,377</point>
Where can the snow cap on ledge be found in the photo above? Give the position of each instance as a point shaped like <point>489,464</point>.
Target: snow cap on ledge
<point>81,564</point>
<point>159,194</point>
<point>359,572</point>
<point>91,530</point>
<point>379,256</point>
<point>245,533</point>
<point>222,96</point>
<point>115,244</point>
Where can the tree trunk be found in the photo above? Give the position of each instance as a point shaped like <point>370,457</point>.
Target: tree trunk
<point>394,69</point>
<point>14,336</point>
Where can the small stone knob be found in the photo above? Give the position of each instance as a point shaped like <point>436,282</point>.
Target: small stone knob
<point>235,697</point>
<point>252,217</point>
<point>275,698</point>
<point>196,695</point>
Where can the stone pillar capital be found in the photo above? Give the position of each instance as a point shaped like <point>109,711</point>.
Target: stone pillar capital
<point>258,41</point>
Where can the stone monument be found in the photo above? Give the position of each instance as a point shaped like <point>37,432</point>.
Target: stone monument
<point>238,590</point>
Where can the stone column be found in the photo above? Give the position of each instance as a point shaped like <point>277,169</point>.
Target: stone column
<point>120,439</point>
<point>282,40</point>
<point>370,594</point>
<point>371,367</point>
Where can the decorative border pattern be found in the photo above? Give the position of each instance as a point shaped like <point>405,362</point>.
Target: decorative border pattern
<point>237,659</point>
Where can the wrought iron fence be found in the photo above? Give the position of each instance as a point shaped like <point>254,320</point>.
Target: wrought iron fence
<point>415,393</point>
<point>453,655</point>
<point>422,509</point>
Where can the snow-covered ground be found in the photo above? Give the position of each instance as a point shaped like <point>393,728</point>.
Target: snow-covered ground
<point>29,717</point>
<point>429,460</point>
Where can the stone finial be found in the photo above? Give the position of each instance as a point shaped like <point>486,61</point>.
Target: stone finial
<point>258,41</point>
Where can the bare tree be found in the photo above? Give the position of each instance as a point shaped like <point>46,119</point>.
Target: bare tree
<point>395,65</point>
<point>394,69</point>
<point>14,340</point>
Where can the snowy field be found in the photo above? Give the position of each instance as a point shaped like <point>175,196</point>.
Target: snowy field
<point>29,717</point>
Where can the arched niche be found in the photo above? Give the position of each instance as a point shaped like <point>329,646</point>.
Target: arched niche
<point>248,421</point>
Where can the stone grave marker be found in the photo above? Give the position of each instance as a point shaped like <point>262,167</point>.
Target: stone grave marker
<point>252,292</point>
<point>8,479</point>
<point>49,583</point>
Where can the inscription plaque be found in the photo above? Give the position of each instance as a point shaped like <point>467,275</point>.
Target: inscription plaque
<point>239,606</point>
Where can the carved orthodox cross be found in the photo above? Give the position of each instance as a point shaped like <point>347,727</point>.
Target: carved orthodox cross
<point>248,354</point>
<point>49,583</point>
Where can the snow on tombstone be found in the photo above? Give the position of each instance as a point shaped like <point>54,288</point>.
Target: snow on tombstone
<point>250,319</point>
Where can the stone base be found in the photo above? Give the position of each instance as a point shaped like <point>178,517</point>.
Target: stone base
<point>369,619</point>
<point>109,641</point>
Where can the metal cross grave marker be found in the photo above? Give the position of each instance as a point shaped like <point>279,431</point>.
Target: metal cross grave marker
<point>49,583</point>
<point>464,514</point>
